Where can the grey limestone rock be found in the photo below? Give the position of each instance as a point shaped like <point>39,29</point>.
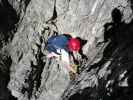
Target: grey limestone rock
<point>35,77</point>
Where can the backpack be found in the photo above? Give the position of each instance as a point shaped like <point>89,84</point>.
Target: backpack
<point>55,43</point>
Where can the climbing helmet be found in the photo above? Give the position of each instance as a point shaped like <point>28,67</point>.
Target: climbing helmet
<point>73,44</point>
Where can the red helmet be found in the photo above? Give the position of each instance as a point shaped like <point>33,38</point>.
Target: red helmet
<point>73,44</point>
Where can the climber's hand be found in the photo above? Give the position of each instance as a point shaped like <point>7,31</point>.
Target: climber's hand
<point>73,68</point>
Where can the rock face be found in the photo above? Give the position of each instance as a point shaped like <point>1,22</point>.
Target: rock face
<point>106,25</point>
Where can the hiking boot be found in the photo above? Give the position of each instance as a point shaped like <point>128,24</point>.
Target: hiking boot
<point>72,75</point>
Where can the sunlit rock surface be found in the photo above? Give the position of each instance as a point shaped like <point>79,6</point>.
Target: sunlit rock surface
<point>105,24</point>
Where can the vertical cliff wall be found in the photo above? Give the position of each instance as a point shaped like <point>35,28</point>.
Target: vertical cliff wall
<point>34,77</point>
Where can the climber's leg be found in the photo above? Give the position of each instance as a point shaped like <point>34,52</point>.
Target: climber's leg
<point>52,54</point>
<point>66,60</point>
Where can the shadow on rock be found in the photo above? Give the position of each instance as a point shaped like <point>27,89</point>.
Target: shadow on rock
<point>116,85</point>
<point>119,35</point>
<point>87,94</point>
<point>8,20</point>
<point>83,42</point>
<point>116,34</point>
<point>5,63</point>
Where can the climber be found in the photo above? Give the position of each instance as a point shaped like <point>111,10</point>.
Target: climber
<point>61,47</point>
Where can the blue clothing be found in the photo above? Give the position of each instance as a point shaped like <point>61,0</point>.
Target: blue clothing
<point>57,42</point>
